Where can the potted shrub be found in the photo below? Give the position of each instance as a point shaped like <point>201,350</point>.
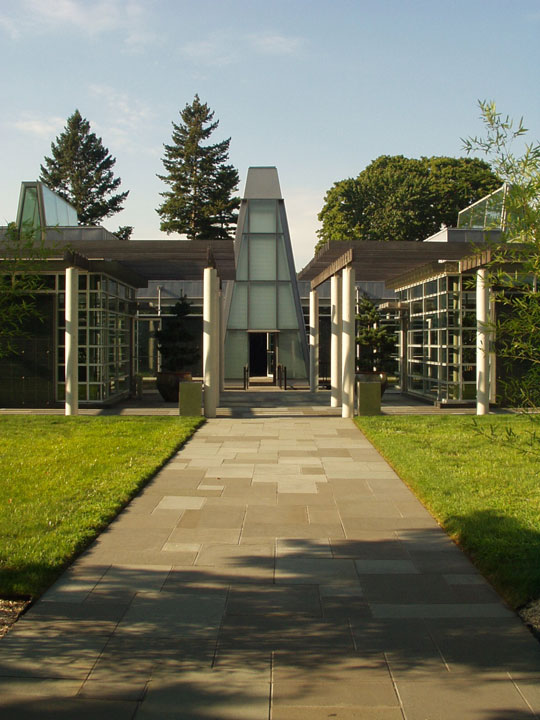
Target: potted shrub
<point>178,351</point>
<point>376,345</point>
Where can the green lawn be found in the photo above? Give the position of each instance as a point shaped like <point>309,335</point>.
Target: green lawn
<point>479,486</point>
<point>63,479</point>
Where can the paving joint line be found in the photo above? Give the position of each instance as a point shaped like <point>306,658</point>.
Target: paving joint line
<point>216,647</point>
<point>395,685</point>
<point>446,665</point>
<point>527,703</point>
<point>271,690</point>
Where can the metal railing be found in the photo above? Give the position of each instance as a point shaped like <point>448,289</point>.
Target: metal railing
<point>281,377</point>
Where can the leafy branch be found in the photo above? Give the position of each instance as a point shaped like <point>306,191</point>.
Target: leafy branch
<point>514,268</point>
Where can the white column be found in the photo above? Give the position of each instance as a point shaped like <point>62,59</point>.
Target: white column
<point>313,341</point>
<point>492,354</point>
<point>348,338</point>
<point>482,342</point>
<point>403,335</point>
<point>335,341</point>
<point>221,343</point>
<point>72,341</point>
<point>217,352</point>
<point>210,342</point>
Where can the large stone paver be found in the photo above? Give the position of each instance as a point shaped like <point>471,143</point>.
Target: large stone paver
<point>274,568</point>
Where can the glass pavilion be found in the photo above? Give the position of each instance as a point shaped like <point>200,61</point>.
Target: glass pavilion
<point>36,375</point>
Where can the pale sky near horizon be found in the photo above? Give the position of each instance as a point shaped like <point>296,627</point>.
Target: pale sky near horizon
<point>317,88</point>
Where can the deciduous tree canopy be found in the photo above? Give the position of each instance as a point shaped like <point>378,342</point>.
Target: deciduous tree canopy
<point>200,202</point>
<point>399,198</point>
<point>80,171</point>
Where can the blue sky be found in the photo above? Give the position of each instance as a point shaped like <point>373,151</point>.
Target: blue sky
<point>317,88</point>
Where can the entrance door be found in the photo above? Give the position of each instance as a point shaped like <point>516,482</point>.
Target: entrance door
<point>263,354</point>
<point>257,354</point>
<point>271,355</point>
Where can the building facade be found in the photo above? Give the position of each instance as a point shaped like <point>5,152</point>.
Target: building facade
<point>35,375</point>
<point>126,289</point>
<point>437,302</point>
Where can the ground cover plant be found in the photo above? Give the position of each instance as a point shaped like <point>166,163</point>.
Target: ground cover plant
<point>63,479</point>
<point>482,487</point>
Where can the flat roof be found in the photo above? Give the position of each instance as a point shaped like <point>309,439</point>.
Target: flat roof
<point>383,260</point>
<point>142,260</point>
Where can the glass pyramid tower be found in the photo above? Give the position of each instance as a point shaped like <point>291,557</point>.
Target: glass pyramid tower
<point>265,325</point>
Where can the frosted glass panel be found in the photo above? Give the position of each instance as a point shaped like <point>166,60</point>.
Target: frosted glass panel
<point>262,216</point>
<point>262,258</point>
<point>241,269</point>
<point>238,312</point>
<point>283,265</point>
<point>287,312</point>
<point>236,354</point>
<point>262,307</point>
<point>290,355</point>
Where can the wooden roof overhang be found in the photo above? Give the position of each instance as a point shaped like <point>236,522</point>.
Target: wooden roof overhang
<point>138,261</point>
<point>380,260</point>
<point>467,263</point>
<point>421,273</point>
<point>176,259</point>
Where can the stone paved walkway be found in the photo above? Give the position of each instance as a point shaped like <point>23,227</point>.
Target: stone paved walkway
<point>275,569</point>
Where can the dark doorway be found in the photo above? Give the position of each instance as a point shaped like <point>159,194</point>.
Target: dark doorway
<point>257,355</point>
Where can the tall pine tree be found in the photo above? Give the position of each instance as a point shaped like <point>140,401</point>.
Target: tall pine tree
<point>80,171</point>
<point>201,202</point>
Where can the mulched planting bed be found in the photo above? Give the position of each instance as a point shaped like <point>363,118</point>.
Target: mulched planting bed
<point>9,613</point>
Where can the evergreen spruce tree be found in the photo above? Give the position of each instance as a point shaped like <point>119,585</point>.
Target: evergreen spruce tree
<point>376,342</point>
<point>201,201</point>
<point>176,343</point>
<point>80,171</point>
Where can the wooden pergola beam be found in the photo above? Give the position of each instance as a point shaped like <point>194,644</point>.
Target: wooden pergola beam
<point>334,267</point>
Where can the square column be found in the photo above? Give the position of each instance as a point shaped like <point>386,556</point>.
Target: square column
<point>210,341</point>
<point>71,406</point>
<point>222,327</point>
<point>313,341</point>
<point>482,342</point>
<point>348,341</point>
<point>335,340</point>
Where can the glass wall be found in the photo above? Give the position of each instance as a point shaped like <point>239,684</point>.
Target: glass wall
<point>36,375</point>
<point>106,312</point>
<point>236,354</point>
<point>486,214</point>
<point>28,374</point>
<point>29,208</point>
<point>440,339</point>
<point>39,207</point>
<point>57,211</point>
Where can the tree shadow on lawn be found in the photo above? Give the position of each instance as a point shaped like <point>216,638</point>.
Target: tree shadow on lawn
<point>315,625</point>
<point>505,551</point>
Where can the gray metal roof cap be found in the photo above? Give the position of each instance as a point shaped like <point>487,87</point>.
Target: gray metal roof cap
<point>262,183</point>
